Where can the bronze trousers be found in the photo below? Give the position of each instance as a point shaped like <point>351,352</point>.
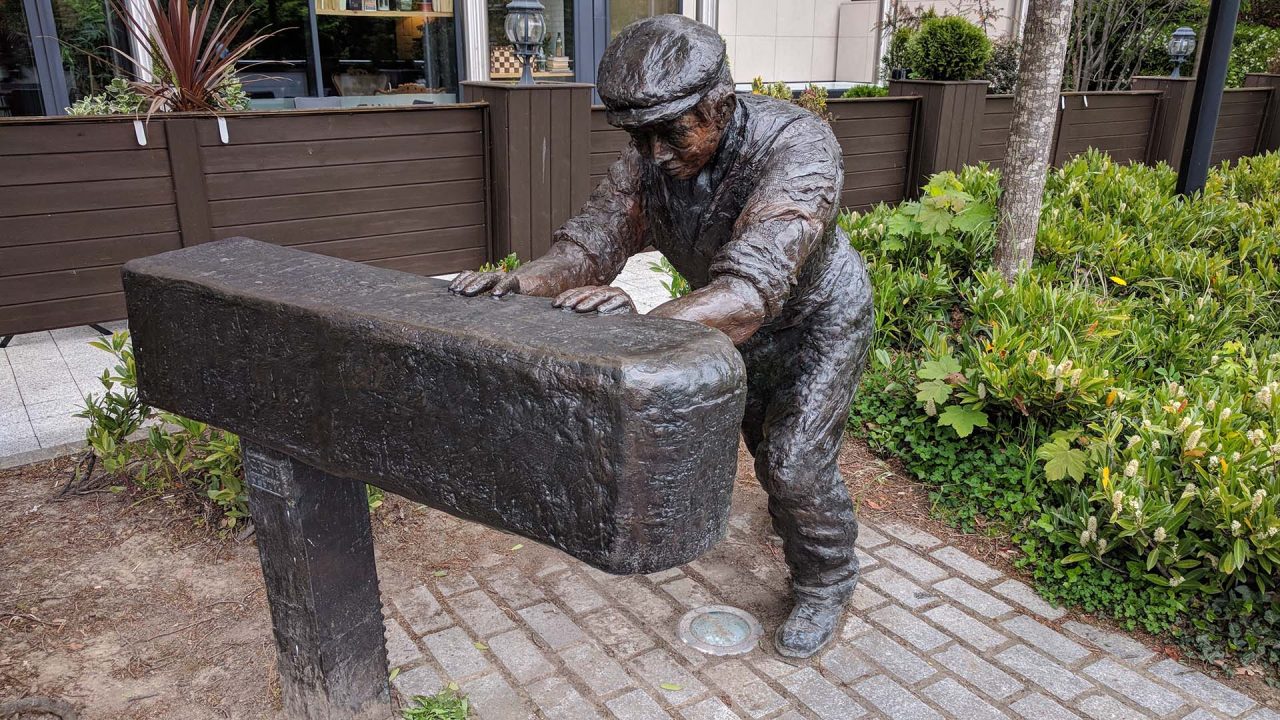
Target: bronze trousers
<point>801,377</point>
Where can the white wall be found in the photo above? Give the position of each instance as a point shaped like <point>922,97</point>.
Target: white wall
<point>787,40</point>
<point>818,40</point>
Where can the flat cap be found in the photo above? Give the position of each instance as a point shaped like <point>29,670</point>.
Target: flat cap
<point>659,67</point>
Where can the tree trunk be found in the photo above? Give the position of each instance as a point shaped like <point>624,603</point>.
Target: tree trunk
<point>1035,113</point>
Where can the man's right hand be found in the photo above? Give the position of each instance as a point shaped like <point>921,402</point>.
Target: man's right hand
<point>472,283</point>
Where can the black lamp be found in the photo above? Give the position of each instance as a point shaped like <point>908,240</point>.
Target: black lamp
<point>526,29</point>
<point>1181,44</point>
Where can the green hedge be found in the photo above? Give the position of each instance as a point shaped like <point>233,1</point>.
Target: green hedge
<point>947,48</point>
<point>1117,409</point>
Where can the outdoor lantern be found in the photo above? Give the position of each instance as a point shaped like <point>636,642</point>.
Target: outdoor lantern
<point>526,29</point>
<point>1181,44</point>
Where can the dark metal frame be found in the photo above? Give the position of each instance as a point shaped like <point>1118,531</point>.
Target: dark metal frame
<point>43,30</point>
<point>1206,98</point>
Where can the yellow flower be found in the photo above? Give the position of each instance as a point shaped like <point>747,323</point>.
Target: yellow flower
<point>1224,465</point>
<point>1111,397</point>
<point>1106,478</point>
<point>1118,281</point>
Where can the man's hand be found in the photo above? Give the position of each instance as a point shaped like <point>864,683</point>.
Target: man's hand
<point>472,283</point>
<point>603,299</point>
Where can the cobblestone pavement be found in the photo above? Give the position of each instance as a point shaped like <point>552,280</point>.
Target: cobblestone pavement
<point>933,633</point>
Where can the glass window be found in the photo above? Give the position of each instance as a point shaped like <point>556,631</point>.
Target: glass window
<point>276,68</point>
<point>19,86</point>
<point>555,60</point>
<point>388,52</point>
<point>85,29</point>
<point>371,52</point>
<point>624,12</point>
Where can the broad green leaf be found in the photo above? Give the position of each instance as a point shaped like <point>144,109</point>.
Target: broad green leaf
<point>962,419</point>
<point>673,687</point>
<point>1074,558</point>
<point>934,221</point>
<point>934,390</point>
<point>974,217</point>
<point>1062,460</point>
<point>901,224</point>
<point>939,368</point>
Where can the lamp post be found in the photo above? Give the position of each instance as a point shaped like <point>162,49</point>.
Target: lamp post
<point>1181,44</point>
<point>526,29</point>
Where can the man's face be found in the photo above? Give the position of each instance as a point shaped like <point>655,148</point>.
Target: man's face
<point>683,146</point>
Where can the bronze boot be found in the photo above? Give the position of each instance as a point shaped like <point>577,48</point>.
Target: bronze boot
<point>811,624</point>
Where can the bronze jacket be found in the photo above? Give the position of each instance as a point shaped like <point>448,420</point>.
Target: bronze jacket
<point>763,210</point>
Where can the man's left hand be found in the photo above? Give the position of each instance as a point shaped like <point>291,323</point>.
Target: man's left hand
<point>604,299</point>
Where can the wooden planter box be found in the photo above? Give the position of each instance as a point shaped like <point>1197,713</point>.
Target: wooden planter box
<point>402,188</point>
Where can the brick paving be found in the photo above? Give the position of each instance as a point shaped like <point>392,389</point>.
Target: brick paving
<point>938,634</point>
<point>932,633</point>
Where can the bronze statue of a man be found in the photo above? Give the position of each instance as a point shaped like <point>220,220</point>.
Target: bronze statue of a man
<point>741,195</point>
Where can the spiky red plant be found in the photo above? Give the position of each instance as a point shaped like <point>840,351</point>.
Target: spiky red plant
<point>192,60</point>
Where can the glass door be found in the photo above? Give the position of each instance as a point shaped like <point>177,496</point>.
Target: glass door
<point>85,29</point>
<point>21,92</point>
<point>54,52</point>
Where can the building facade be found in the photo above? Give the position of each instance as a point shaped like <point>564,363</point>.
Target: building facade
<point>823,41</point>
<point>347,53</point>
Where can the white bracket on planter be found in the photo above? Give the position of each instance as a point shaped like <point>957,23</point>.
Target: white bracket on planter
<point>1062,102</point>
<point>1085,98</point>
<point>223,135</point>
<point>140,132</point>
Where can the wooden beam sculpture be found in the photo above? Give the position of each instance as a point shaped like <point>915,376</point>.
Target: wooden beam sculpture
<point>613,438</point>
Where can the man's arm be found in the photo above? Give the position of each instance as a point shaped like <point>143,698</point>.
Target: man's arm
<point>590,249</point>
<point>783,221</point>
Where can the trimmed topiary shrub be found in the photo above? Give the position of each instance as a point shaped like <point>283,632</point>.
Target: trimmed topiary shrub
<point>948,48</point>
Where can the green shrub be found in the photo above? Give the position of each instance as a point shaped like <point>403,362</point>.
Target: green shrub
<point>1260,12</point>
<point>506,264</point>
<point>948,48</point>
<point>897,56</point>
<point>1253,50</point>
<point>118,98</point>
<point>1001,72</point>
<point>121,98</point>
<point>814,99</point>
<point>777,90</point>
<point>178,455</point>
<point>1117,408</point>
<point>866,91</point>
<point>675,283</point>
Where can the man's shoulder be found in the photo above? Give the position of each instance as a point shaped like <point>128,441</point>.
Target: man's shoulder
<point>770,120</point>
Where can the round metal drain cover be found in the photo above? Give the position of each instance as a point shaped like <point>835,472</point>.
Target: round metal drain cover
<point>719,630</point>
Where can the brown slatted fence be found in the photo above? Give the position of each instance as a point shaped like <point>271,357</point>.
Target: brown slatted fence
<point>1116,123</point>
<point>993,133</point>
<point>875,137</point>
<point>607,142</point>
<point>403,188</point>
<point>77,198</point>
<point>1239,123</point>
